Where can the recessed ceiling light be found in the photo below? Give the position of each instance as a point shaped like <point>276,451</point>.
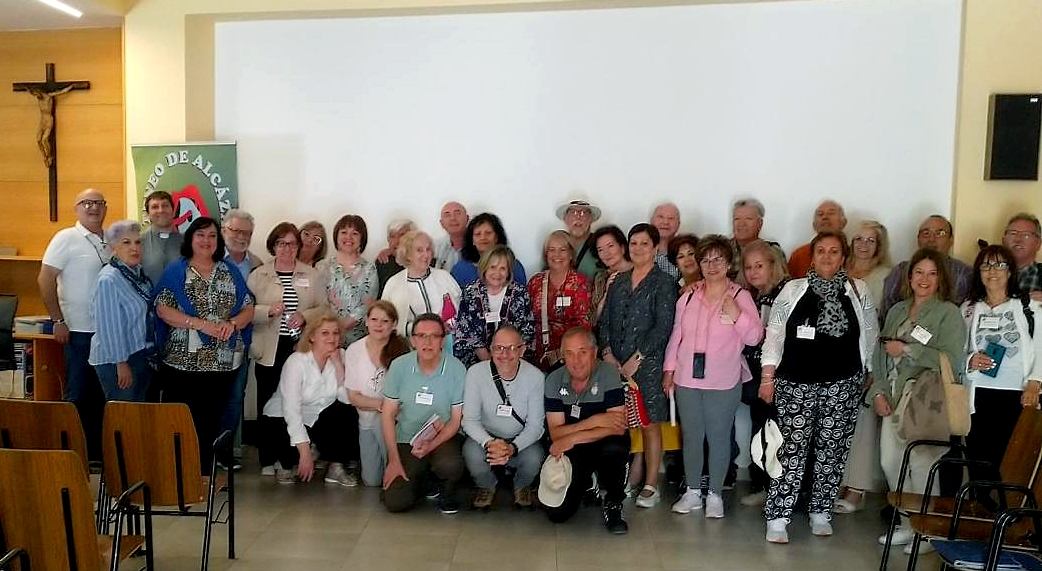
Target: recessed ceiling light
<point>63,7</point>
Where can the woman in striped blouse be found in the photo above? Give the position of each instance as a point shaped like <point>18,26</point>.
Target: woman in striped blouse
<point>289,295</point>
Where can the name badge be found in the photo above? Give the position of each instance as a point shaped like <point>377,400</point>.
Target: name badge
<point>726,319</point>
<point>504,410</point>
<point>426,399</point>
<point>805,332</point>
<point>989,322</point>
<point>303,282</point>
<point>164,235</point>
<point>194,341</point>
<point>492,317</point>
<point>920,334</point>
<point>563,301</point>
<point>576,411</point>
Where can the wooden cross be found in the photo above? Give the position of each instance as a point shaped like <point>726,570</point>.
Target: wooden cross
<point>46,93</point>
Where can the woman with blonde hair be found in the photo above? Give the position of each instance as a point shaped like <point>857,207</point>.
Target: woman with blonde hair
<point>560,299</point>
<point>870,257</point>
<point>420,288</point>
<point>493,300</point>
<point>313,244</point>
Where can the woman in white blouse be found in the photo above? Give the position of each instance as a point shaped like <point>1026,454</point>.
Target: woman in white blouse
<point>1004,345</point>
<point>365,364</point>
<point>420,288</point>
<point>310,407</point>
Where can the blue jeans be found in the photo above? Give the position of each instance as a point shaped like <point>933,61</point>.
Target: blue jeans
<point>83,389</point>
<point>231,417</point>
<point>139,369</point>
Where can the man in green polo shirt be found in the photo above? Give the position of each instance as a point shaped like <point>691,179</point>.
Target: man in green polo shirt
<point>585,414</point>
<point>422,412</point>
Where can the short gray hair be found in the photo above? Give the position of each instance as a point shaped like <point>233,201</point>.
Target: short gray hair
<point>120,229</point>
<point>583,332</point>
<point>1026,217</point>
<point>240,214</point>
<point>398,224</point>
<point>760,210</point>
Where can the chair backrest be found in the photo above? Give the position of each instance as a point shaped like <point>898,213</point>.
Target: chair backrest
<point>8,309</point>
<point>156,443</point>
<point>46,508</point>
<point>42,425</point>
<point>1023,458</point>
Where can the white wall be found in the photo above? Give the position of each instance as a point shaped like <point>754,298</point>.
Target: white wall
<point>514,112</point>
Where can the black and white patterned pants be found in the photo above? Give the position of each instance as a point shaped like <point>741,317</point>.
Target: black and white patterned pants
<point>821,417</point>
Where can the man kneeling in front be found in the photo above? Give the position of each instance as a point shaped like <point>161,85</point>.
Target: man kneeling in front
<point>422,412</point>
<point>586,418</point>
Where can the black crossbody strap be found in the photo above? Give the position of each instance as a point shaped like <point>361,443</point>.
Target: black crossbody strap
<point>498,380</point>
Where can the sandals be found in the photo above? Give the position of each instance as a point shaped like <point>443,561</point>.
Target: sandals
<point>648,496</point>
<point>845,506</point>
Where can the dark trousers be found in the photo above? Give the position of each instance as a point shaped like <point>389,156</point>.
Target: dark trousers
<point>267,384</point>
<point>206,393</point>
<point>992,427</point>
<point>445,462</point>
<point>83,389</point>
<point>607,457</point>
<point>333,434</point>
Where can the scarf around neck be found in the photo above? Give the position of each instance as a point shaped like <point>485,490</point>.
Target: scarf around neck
<point>832,320</point>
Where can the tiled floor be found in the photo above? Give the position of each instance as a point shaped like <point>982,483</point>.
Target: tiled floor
<point>324,527</point>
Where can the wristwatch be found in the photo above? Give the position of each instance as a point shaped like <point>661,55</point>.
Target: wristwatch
<point>59,321</point>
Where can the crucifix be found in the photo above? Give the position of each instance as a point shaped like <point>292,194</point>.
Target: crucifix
<point>46,93</point>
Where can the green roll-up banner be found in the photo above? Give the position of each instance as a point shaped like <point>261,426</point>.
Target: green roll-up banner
<point>202,178</point>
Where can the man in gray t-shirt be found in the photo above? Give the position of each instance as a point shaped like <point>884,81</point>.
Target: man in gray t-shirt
<point>503,419</point>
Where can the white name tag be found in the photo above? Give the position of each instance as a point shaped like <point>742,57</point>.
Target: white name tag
<point>804,332</point>
<point>164,235</point>
<point>563,301</point>
<point>194,341</point>
<point>726,319</point>
<point>989,322</point>
<point>425,398</point>
<point>492,317</point>
<point>504,410</point>
<point>920,334</point>
<point>303,282</point>
<point>576,411</point>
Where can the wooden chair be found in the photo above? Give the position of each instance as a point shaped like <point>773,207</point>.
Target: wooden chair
<point>1019,469</point>
<point>157,444</point>
<point>46,510</point>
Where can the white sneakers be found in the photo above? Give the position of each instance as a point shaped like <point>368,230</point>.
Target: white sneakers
<point>689,502</point>
<point>714,505</point>
<point>268,470</point>
<point>648,501</point>
<point>903,536</point>
<point>820,525</point>
<point>776,532</point>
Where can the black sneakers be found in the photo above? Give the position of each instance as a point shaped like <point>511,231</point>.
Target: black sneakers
<point>613,518</point>
<point>447,504</point>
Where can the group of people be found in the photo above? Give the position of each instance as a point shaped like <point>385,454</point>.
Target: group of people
<point>440,358</point>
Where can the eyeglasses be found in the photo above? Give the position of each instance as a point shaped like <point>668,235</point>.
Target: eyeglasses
<point>865,239</point>
<point>578,212</point>
<point>926,233</point>
<point>1016,234</point>
<point>994,266</point>
<point>88,203</point>
<point>285,244</point>
<point>311,237</point>
<point>427,336</point>
<point>507,348</point>
<point>718,261</point>
<point>238,232</point>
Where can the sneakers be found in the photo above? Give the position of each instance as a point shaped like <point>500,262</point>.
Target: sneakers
<point>523,497</point>
<point>714,505</point>
<point>285,475</point>
<point>337,474</point>
<point>776,532</point>
<point>820,525</point>
<point>847,505</point>
<point>690,501</point>
<point>432,489</point>
<point>447,504</point>
<point>924,547</point>
<point>754,499</point>
<point>613,518</point>
<point>902,536</point>
<point>483,498</point>
<point>650,500</point>
<point>268,470</point>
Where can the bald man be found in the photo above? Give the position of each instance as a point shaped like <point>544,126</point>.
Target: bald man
<point>67,280</point>
<point>666,219</point>
<point>828,217</point>
<point>454,219</point>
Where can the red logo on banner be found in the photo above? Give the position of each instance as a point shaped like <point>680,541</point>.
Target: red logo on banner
<point>188,205</point>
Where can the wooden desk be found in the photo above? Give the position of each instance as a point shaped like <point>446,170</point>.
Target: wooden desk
<point>48,365</point>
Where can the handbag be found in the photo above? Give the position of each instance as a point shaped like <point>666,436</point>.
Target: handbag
<point>921,413</point>
<point>636,413</point>
<point>956,399</point>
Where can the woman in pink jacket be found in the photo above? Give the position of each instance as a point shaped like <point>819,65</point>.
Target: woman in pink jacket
<point>704,369</point>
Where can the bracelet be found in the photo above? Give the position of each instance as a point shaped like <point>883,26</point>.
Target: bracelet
<point>766,381</point>
<point>188,323</point>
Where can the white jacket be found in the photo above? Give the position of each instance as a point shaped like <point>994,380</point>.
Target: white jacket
<point>1031,366</point>
<point>407,300</point>
<point>790,295</point>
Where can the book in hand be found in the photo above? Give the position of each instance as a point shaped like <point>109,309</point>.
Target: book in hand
<point>996,352</point>
<point>426,433</point>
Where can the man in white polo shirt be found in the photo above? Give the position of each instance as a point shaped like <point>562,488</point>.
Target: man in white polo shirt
<point>67,280</point>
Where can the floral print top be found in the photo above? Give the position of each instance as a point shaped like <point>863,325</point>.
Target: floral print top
<point>350,290</point>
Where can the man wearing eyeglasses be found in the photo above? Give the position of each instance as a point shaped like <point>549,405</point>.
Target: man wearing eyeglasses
<point>934,233</point>
<point>1022,238</point>
<point>503,419</point>
<point>67,280</point>
<point>578,216</point>
<point>421,418</point>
